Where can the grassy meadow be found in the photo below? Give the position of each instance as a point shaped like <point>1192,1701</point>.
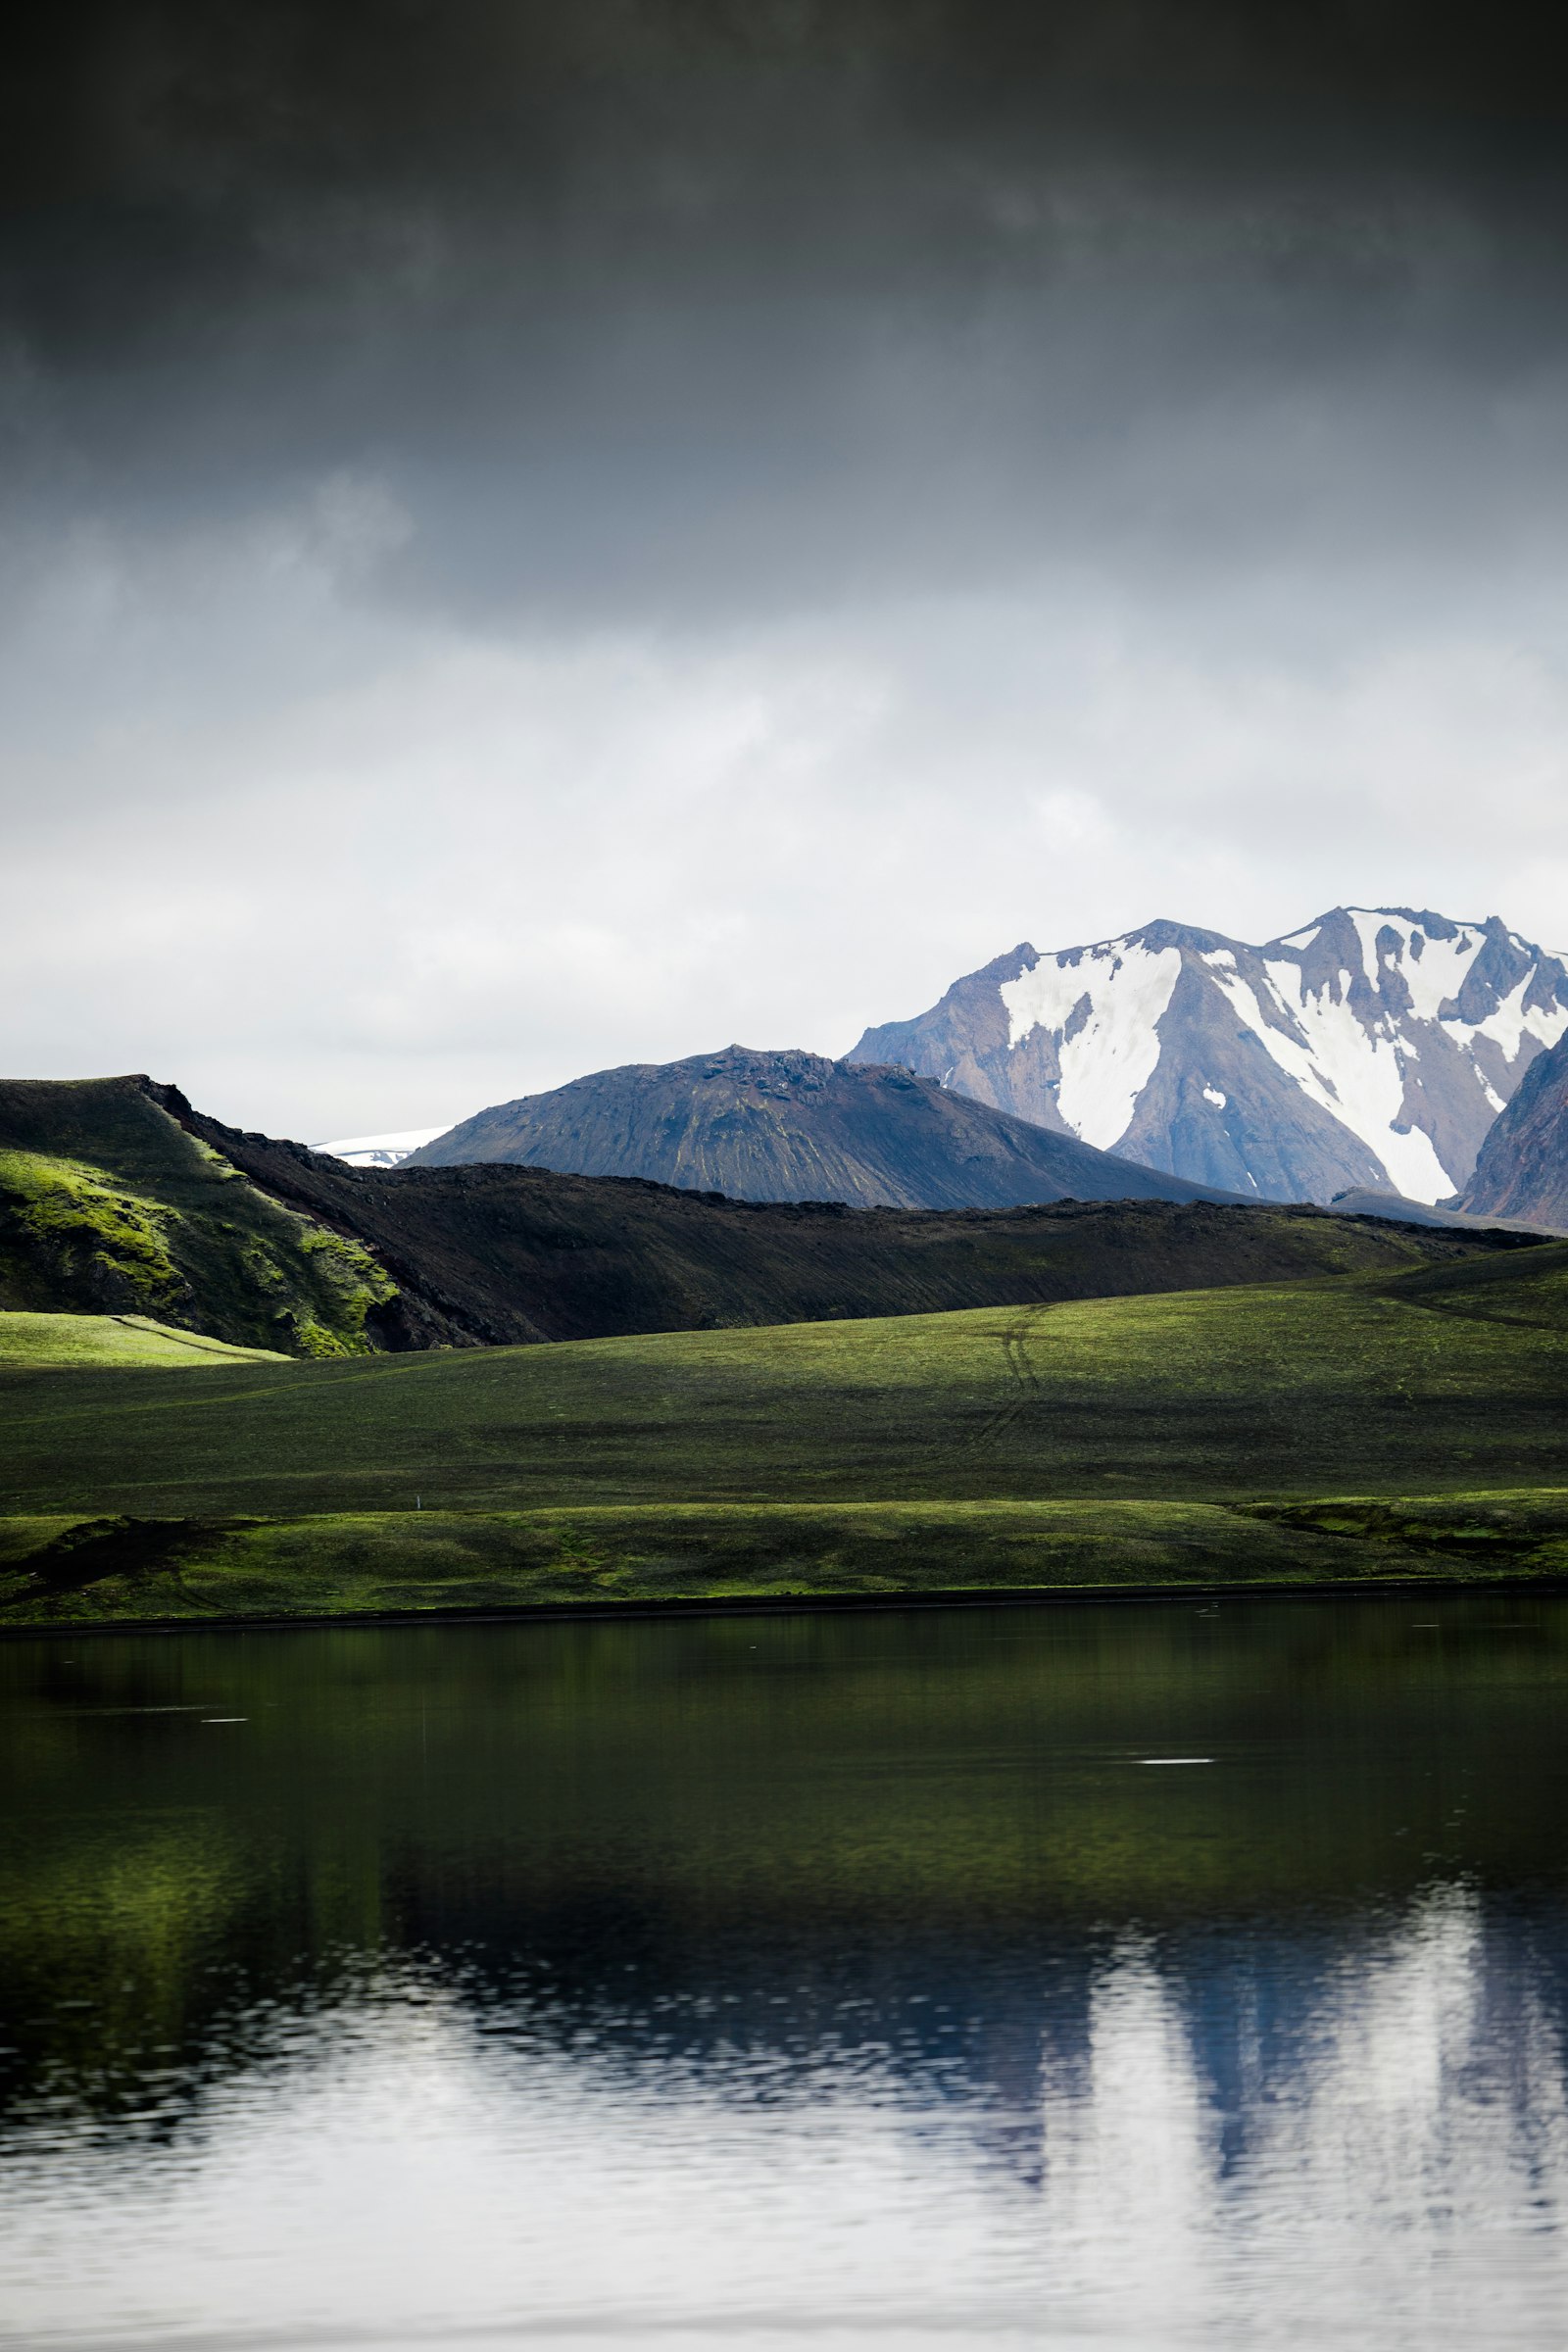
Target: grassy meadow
<point>1397,1424</point>
<point>54,1342</point>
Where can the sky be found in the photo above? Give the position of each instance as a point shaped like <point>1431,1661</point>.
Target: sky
<point>537,537</point>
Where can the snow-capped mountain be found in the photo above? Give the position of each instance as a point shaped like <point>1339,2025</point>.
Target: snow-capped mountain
<point>379,1150</point>
<point>1372,1048</point>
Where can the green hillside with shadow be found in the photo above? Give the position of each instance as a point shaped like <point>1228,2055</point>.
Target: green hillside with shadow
<point>107,1206</point>
<point>1410,1423</point>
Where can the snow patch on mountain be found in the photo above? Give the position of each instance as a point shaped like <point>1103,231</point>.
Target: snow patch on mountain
<point>1355,1074</point>
<point>1107,1002</point>
<point>378,1151</point>
<point>1434,970</point>
<point>1511,1025</point>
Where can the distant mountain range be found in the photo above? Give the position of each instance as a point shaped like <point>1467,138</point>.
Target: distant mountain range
<point>796,1126</point>
<point>1371,1049</point>
<point>1365,1055</point>
<point>1523,1168</point>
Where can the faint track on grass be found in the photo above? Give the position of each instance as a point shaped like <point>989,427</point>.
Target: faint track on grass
<point>1027,1391</point>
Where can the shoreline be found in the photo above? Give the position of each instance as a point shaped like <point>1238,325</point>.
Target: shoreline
<point>804,1605</point>
<point>60,1574</point>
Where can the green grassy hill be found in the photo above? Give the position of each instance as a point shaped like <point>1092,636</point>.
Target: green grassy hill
<point>35,1343</point>
<point>1192,1435</point>
<point>108,1206</point>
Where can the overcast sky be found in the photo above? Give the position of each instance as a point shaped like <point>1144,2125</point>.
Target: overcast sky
<point>538,536</point>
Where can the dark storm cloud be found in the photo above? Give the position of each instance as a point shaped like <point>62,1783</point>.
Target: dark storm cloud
<point>645,307</point>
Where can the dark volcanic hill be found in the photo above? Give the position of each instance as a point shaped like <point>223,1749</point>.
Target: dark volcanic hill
<point>798,1127</point>
<point>1523,1168</point>
<point>473,1256</point>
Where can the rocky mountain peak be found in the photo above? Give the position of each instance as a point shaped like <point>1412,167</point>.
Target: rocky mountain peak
<point>1371,1047</point>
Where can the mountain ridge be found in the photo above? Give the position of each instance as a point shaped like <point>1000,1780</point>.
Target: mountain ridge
<point>1367,1051</point>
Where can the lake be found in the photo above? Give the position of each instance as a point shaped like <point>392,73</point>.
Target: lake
<point>1146,1975</point>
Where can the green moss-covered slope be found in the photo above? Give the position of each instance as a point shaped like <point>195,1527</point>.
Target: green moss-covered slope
<point>108,1206</point>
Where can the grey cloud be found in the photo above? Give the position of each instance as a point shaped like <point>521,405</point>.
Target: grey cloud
<point>645,309</point>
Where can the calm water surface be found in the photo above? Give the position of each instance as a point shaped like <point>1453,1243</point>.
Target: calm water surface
<point>876,1979</point>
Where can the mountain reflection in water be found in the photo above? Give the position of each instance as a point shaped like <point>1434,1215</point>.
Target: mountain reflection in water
<point>740,1979</point>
